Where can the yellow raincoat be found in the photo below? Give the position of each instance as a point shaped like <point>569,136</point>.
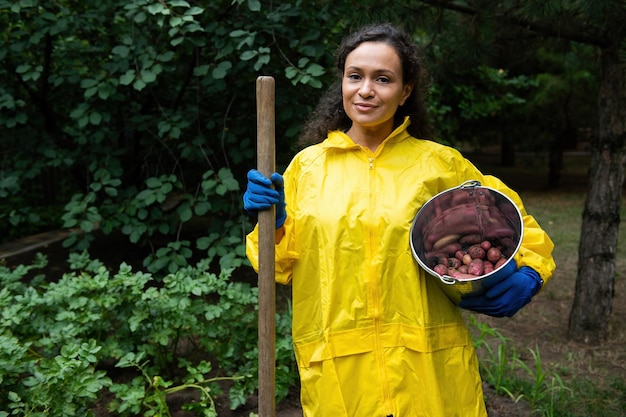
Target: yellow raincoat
<point>373,334</point>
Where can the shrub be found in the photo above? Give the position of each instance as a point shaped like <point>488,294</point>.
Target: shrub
<point>64,344</point>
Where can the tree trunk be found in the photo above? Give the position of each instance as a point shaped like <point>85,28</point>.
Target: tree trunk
<point>588,321</point>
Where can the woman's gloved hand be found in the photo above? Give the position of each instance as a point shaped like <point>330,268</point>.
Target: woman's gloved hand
<point>260,195</point>
<point>511,290</point>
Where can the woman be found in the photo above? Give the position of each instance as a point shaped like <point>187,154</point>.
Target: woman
<point>373,334</point>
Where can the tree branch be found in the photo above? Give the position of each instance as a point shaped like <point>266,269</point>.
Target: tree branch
<point>536,27</point>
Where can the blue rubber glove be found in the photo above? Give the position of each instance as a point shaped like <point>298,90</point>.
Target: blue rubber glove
<point>508,294</point>
<point>260,195</point>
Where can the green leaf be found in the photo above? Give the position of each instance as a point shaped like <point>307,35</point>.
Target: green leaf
<point>121,50</point>
<point>148,76</point>
<point>128,77</point>
<point>154,182</point>
<point>221,71</point>
<point>194,11</point>
<point>90,92</point>
<point>88,83</point>
<point>86,226</point>
<point>254,5</point>
<point>202,208</point>
<point>177,41</point>
<point>140,17</point>
<point>156,8</point>
<point>231,184</point>
<point>291,72</point>
<point>105,90</point>
<point>201,70</point>
<point>175,21</point>
<point>184,212</point>
<point>95,118</point>
<point>139,85</point>
<point>315,70</point>
<point>238,33</point>
<point>166,56</point>
<point>22,68</point>
<point>248,55</point>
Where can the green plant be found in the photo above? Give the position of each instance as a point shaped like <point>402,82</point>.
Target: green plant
<point>496,364</point>
<point>503,368</point>
<point>62,385</point>
<point>545,389</point>
<point>149,392</point>
<point>133,116</point>
<point>188,330</point>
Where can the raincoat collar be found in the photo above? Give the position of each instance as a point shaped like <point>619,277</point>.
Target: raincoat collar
<point>338,139</point>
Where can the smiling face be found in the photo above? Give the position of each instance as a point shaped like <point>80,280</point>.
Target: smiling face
<point>373,89</point>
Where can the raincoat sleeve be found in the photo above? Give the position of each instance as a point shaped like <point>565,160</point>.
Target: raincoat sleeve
<point>536,248</point>
<point>285,254</point>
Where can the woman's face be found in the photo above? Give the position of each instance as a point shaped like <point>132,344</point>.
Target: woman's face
<point>372,86</point>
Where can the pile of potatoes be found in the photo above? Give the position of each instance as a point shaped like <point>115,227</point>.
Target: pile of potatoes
<point>467,232</point>
<point>467,257</point>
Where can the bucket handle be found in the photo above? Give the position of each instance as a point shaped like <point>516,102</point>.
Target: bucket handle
<point>446,279</point>
<point>470,184</point>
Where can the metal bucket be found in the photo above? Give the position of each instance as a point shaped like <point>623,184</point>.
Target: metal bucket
<point>455,214</point>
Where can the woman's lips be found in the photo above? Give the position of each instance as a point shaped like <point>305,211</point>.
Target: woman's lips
<point>364,107</point>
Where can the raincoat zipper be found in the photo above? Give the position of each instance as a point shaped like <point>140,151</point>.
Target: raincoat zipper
<point>375,292</point>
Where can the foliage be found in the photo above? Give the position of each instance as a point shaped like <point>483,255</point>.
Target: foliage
<point>483,100</point>
<point>527,378</point>
<point>500,366</point>
<point>139,116</point>
<point>116,114</point>
<point>59,340</point>
<point>150,392</point>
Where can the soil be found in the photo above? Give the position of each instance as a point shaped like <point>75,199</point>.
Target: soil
<point>541,327</point>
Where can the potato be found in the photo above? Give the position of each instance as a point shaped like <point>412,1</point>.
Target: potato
<point>494,255</point>
<point>485,244</point>
<point>445,241</point>
<point>454,263</point>
<point>475,267</point>
<point>451,249</point>
<point>467,259</point>
<point>501,262</point>
<point>461,276</point>
<point>470,239</point>
<point>476,252</point>
<point>441,269</point>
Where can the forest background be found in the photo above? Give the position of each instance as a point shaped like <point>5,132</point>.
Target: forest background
<point>136,119</point>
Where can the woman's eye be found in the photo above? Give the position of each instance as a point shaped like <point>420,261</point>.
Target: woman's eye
<point>383,80</point>
<point>354,76</point>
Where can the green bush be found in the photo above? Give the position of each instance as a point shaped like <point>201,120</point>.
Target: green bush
<point>62,344</point>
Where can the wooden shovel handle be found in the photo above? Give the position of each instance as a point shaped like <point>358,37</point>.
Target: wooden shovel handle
<point>266,164</point>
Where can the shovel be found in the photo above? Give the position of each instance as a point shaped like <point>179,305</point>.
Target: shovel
<point>267,225</point>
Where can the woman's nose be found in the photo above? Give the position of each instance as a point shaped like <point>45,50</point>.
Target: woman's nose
<point>366,89</point>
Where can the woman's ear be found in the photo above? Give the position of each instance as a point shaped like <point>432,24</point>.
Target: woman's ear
<point>408,88</point>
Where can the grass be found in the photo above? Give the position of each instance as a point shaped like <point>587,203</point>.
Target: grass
<point>529,356</point>
<point>595,375</point>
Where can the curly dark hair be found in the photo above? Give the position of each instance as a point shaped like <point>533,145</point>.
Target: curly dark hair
<point>329,113</point>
